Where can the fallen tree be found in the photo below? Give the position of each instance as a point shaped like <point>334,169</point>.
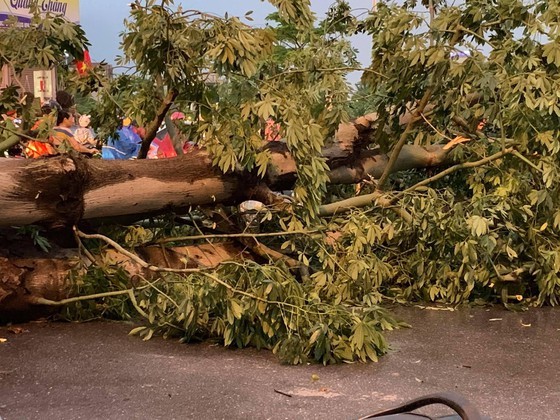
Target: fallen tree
<point>61,191</point>
<point>31,286</point>
<point>485,227</point>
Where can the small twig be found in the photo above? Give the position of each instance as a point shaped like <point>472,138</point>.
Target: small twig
<point>400,143</point>
<point>527,161</point>
<point>17,133</point>
<point>403,213</point>
<point>14,72</point>
<point>452,169</point>
<point>435,129</point>
<point>267,252</point>
<point>48,302</point>
<point>135,303</point>
<point>237,235</point>
<point>479,37</point>
<point>283,393</point>
<point>153,286</point>
<point>129,292</point>
<point>202,233</point>
<point>82,247</point>
<point>461,122</point>
<point>165,257</point>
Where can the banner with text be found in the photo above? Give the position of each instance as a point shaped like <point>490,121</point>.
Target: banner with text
<point>70,9</point>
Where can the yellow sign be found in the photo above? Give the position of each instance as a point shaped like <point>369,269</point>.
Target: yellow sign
<point>70,9</point>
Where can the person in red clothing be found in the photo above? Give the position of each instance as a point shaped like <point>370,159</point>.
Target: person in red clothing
<point>35,149</point>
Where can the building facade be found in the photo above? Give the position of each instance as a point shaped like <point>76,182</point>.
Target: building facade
<point>41,82</point>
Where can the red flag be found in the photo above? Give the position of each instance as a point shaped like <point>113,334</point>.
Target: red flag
<point>85,65</point>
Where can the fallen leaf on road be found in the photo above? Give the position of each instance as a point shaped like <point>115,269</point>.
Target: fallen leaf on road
<point>495,319</point>
<point>17,330</point>
<point>419,380</point>
<point>435,308</point>
<point>525,325</point>
<point>3,340</point>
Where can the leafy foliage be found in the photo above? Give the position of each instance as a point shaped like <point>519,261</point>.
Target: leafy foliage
<point>35,234</point>
<point>44,43</point>
<point>488,230</point>
<point>242,305</point>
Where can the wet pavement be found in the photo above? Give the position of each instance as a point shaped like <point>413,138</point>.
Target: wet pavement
<point>506,363</point>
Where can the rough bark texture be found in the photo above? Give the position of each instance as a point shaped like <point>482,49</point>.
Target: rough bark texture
<point>60,191</point>
<point>25,279</point>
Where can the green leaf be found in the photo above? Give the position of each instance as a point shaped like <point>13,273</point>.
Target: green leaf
<point>236,309</point>
<point>136,330</point>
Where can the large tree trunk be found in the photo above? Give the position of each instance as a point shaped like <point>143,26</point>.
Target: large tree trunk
<point>26,281</point>
<point>60,191</point>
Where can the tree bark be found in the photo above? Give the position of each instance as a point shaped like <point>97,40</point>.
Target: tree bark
<point>60,191</point>
<point>25,280</point>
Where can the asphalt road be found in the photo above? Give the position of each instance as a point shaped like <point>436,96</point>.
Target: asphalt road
<point>506,363</point>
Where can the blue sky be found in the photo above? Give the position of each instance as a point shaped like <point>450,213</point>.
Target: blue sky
<point>103,21</point>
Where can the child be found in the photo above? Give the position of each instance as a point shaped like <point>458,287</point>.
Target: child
<point>84,134</point>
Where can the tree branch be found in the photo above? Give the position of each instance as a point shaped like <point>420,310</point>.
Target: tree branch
<point>266,252</point>
<point>136,258</point>
<point>237,235</point>
<point>397,149</point>
<point>378,196</point>
<point>153,127</point>
<point>455,168</point>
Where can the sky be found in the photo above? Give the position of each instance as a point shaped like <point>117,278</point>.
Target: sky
<point>103,21</point>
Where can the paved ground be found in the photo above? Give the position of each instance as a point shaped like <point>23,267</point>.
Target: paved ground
<point>509,367</point>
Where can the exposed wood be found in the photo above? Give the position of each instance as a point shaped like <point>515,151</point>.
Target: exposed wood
<point>26,280</point>
<point>60,191</point>
<point>22,279</point>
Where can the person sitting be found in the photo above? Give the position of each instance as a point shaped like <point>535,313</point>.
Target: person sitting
<point>62,137</point>
<point>84,133</point>
<point>35,149</point>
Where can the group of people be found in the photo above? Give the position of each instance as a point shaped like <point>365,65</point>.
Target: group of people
<point>60,129</point>
<point>59,119</point>
<point>65,134</point>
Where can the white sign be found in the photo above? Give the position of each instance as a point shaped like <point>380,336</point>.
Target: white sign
<point>43,84</point>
